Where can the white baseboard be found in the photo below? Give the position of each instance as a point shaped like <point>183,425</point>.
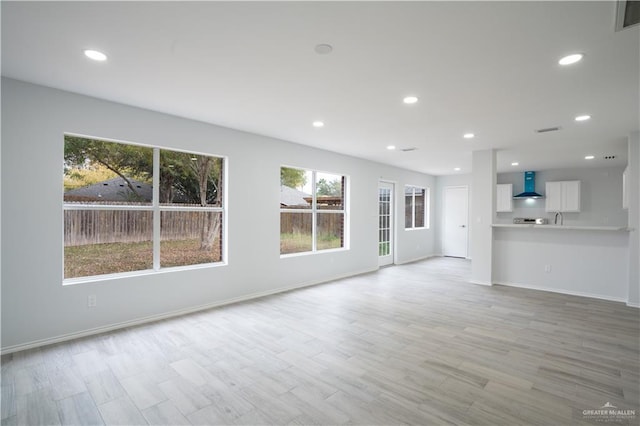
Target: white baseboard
<point>487,283</point>
<point>633,305</point>
<point>562,291</point>
<point>417,259</point>
<point>172,314</point>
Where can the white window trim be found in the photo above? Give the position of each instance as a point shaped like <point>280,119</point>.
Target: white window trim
<point>427,206</point>
<point>156,208</point>
<point>314,211</point>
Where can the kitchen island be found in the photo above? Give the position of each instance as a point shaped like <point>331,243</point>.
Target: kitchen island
<point>587,261</point>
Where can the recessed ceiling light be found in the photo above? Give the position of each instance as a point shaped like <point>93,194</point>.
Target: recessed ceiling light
<point>571,59</point>
<point>583,117</point>
<point>318,124</point>
<point>457,169</point>
<point>323,49</point>
<point>515,163</point>
<point>589,157</point>
<point>95,55</point>
<point>468,136</point>
<point>410,99</point>
<point>391,147</point>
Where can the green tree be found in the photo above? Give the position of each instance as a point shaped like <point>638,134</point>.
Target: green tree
<point>183,176</point>
<point>193,179</point>
<point>126,161</point>
<point>77,177</point>
<point>333,188</point>
<point>293,178</point>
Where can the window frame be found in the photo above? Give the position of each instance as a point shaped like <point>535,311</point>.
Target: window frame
<point>314,211</point>
<point>156,209</point>
<point>427,206</point>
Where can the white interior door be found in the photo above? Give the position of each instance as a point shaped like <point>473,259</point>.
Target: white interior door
<point>386,226</point>
<point>456,221</point>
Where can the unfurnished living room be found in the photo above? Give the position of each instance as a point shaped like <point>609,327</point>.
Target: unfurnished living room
<point>320,213</point>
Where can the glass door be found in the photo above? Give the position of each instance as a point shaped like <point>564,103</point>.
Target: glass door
<point>385,223</point>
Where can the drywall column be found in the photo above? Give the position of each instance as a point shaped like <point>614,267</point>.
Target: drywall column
<point>633,185</point>
<point>482,212</point>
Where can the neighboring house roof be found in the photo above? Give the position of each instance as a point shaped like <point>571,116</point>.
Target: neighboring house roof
<point>115,189</point>
<point>292,197</point>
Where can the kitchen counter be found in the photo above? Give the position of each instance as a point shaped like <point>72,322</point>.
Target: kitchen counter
<point>562,227</point>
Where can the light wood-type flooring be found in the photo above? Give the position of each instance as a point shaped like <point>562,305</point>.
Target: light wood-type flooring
<point>413,344</point>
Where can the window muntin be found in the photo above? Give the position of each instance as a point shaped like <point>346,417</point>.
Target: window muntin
<point>116,221</point>
<point>416,207</point>
<point>312,211</point>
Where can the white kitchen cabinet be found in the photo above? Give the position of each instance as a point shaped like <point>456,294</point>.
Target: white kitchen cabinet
<point>563,196</point>
<point>504,197</point>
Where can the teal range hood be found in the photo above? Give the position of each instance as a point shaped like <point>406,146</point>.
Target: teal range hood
<point>529,187</point>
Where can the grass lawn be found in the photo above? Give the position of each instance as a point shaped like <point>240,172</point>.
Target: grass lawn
<point>383,248</point>
<point>298,242</point>
<point>99,259</point>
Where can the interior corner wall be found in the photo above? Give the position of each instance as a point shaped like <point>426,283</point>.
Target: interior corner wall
<point>481,215</point>
<point>633,180</point>
<point>37,308</point>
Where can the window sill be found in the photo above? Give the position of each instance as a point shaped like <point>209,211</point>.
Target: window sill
<point>309,253</point>
<point>121,275</point>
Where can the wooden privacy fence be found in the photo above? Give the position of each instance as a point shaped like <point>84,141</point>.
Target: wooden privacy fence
<point>328,223</point>
<point>82,227</point>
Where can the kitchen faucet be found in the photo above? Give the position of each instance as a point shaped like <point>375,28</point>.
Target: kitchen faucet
<point>555,222</point>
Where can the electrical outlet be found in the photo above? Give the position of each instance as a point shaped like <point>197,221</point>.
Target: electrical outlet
<point>92,301</point>
<point>547,268</point>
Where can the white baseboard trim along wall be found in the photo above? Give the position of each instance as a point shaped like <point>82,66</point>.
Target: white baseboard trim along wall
<point>167,315</point>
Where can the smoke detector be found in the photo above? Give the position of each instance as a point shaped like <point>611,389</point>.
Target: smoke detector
<point>609,157</point>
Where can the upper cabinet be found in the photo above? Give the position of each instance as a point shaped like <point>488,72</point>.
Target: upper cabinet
<point>504,197</point>
<point>563,196</point>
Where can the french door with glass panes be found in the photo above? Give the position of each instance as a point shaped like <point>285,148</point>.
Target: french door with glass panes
<point>385,223</point>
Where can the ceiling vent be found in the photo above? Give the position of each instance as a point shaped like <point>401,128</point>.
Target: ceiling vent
<point>408,149</point>
<point>609,157</point>
<point>627,14</point>
<point>548,129</point>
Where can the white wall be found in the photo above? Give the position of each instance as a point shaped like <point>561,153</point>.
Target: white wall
<point>601,196</point>
<point>36,307</point>
<point>441,183</point>
<point>482,211</point>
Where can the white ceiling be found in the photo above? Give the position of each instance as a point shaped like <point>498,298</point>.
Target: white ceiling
<point>484,67</point>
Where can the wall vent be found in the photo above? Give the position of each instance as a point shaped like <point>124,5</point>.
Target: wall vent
<point>627,14</point>
<point>548,129</point>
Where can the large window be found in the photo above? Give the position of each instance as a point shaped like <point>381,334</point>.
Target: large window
<point>416,207</point>
<point>312,211</point>
<point>133,208</point>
